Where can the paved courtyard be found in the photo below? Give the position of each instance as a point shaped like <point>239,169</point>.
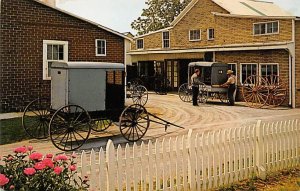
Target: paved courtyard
<point>206,117</point>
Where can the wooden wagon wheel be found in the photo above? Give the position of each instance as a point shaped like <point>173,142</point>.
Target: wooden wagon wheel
<point>101,124</point>
<point>140,95</point>
<point>278,91</point>
<point>134,122</point>
<point>255,91</point>
<point>36,117</point>
<point>69,127</point>
<point>185,92</point>
<point>203,93</point>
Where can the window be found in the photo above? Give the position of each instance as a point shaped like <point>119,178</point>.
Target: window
<point>233,67</point>
<point>166,39</point>
<point>269,69</point>
<point>247,70</point>
<point>100,47</point>
<point>195,35</point>
<point>210,34</point>
<point>266,28</point>
<point>53,51</point>
<point>140,43</point>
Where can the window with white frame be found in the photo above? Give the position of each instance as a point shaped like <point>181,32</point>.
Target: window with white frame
<point>140,43</point>
<point>210,34</point>
<point>166,39</point>
<point>247,69</point>
<point>53,51</point>
<point>195,35</point>
<point>266,28</point>
<point>100,47</point>
<point>268,69</point>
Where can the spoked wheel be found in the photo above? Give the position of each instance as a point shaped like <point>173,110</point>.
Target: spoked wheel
<point>278,91</point>
<point>140,95</point>
<point>101,124</point>
<point>69,127</point>
<point>203,93</point>
<point>36,117</point>
<point>223,97</point>
<point>255,91</point>
<point>134,122</point>
<point>185,93</point>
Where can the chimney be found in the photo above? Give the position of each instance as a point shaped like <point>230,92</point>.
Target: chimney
<point>50,2</point>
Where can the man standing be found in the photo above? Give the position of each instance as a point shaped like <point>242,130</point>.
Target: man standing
<point>231,86</point>
<point>195,79</point>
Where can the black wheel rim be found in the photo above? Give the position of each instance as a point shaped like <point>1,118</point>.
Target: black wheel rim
<point>140,95</point>
<point>134,122</point>
<point>100,125</point>
<point>69,127</point>
<point>36,117</point>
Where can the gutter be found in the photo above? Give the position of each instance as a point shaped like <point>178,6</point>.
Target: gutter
<point>284,45</point>
<point>253,16</point>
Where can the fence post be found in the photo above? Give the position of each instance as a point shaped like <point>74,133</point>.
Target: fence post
<point>110,158</point>
<point>259,151</point>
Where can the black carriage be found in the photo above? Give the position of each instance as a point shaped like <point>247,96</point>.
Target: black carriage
<point>213,74</point>
<point>84,97</point>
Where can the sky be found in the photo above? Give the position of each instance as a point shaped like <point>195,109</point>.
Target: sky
<point>118,14</point>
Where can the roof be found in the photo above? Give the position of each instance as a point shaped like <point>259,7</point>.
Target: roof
<point>89,65</point>
<point>86,20</point>
<point>252,7</point>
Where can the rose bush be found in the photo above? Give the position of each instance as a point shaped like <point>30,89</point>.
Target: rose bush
<point>26,170</point>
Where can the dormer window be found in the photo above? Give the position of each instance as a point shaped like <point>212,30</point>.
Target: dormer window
<point>140,43</point>
<point>210,34</point>
<point>266,28</point>
<point>166,39</point>
<point>195,35</point>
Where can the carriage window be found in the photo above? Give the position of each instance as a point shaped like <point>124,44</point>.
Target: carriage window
<point>268,69</point>
<point>114,77</point>
<point>54,51</point>
<point>166,39</point>
<point>100,47</point>
<point>247,70</point>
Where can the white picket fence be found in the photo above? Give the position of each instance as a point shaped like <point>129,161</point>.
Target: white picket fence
<point>195,161</point>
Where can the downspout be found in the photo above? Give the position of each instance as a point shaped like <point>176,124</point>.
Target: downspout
<point>125,64</point>
<point>292,66</point>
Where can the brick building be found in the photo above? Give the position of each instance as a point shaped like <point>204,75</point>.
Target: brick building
<point>253,37</point>
<point>33,35</point>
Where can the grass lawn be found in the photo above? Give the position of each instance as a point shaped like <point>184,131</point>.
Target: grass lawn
<point>11,131</point>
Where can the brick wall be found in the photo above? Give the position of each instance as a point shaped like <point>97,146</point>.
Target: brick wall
<point>297,63</point>
<point>266,56</point>
<point>228,30</point>
<point>24,26</point>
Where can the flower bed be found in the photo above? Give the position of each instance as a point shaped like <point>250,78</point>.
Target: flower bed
<point>31,171</point>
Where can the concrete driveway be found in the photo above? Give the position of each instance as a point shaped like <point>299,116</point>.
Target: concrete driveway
<point>206,117</point>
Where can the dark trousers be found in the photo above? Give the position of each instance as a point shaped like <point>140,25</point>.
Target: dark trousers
<point>195,90</point>
<point>231,90</point>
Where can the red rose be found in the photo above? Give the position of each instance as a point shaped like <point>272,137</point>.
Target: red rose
<point>49,155</point>
<point>36,156</point>
<point>61,157</point>
<point>3,180</point>
<point>29,171</point>
<point>20,150</point>
<point>48,162</point>
<point>72,167</point>
<point>57,170</point>
<point>39,166</point>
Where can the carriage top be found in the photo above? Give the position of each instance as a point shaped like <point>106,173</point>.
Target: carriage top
<point>96,86</point>
<point>206,64</point>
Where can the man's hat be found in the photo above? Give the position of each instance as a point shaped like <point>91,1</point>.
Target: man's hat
<point>229,72</point>
<point>197,70</point>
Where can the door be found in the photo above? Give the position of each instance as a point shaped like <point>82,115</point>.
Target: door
<point>172,73</point>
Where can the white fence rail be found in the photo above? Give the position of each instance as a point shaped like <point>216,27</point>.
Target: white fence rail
<point>195,161</point>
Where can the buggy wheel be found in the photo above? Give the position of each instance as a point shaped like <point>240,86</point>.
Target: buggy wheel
<point>101,124</point>
<point>255,91</point>
<point>203,93</point>
<point>223,97</point>
<point>36,117</point>
<point>134,122</point>
<point>278,91</point>
<point>185,93</point>
<point>69,127</point>
<point>140,95</point>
